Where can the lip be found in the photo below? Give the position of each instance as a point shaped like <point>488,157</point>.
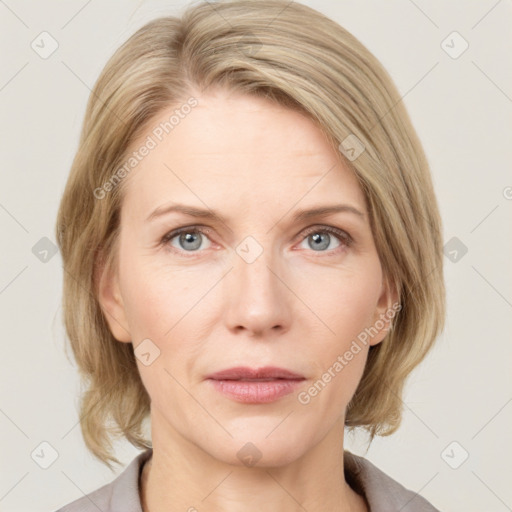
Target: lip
<point>255,386</point>
<point>246,373</point>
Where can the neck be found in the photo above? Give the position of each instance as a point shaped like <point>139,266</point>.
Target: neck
<point>180,476</point>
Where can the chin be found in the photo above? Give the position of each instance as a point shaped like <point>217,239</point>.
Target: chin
<point>256,448</point>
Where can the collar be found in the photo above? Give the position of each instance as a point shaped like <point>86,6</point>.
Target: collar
<point>382,493</point>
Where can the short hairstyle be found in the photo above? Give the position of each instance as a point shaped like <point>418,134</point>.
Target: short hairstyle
<point>296,57</point>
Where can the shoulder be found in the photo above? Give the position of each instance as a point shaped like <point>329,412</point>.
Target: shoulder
<point>120,495</point>
<point>382,493</point>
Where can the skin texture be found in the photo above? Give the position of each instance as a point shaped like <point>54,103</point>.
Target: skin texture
<point>296,306</point>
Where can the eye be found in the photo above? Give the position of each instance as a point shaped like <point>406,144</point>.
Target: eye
<point>319,238</point>
<point>188,239</point>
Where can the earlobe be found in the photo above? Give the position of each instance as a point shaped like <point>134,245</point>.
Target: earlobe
<point>111,303</point>
<point>385,312</point>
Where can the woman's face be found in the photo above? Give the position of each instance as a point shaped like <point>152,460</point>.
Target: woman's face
<point>262,287</point>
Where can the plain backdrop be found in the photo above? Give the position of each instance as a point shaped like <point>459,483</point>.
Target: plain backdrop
<point>453,446</point>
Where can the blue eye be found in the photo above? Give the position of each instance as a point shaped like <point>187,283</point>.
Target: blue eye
<point>319,238</point>
<point>189,239</point>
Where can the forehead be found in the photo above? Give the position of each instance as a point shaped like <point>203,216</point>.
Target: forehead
<point>238,151</point>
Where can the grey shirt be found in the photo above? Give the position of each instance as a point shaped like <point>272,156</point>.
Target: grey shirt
<point>382,493</point>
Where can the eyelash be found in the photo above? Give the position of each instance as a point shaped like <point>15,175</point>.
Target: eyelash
<point>344,238</point>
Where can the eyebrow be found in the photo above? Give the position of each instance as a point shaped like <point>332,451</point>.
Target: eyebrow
<point>300,215</point>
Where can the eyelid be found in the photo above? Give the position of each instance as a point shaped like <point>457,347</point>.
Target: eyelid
<point>185,229</point>
<point>343,236</point>
<point>339,233</point>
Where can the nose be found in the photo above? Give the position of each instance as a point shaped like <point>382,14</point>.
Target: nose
<point>258,301</point>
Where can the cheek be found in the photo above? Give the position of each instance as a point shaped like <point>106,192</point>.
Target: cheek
<point>159,306</point>
<point>344,301</point>
<point>167,306</point>
<point>157,298</point>
<point>346,306</point>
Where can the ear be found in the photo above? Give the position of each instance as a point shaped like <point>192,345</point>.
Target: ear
<point>385,313</point>
<point>111,302</point>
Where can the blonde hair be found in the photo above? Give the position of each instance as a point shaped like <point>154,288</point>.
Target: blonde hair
<point>297,57</point>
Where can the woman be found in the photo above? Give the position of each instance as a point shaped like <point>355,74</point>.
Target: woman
<point>271,141</point>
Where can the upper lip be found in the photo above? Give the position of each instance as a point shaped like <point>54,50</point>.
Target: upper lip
<point>245,373</point>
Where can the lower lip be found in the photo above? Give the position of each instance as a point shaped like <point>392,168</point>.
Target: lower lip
<point>256,392</point>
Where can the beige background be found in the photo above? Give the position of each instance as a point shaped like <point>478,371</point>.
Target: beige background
<point>462,110</point>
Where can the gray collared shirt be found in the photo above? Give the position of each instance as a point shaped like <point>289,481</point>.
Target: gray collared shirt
<point>382,493</point>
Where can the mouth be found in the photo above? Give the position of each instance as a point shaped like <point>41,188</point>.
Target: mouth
<point>255,374</point>
<point>255,386</point>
